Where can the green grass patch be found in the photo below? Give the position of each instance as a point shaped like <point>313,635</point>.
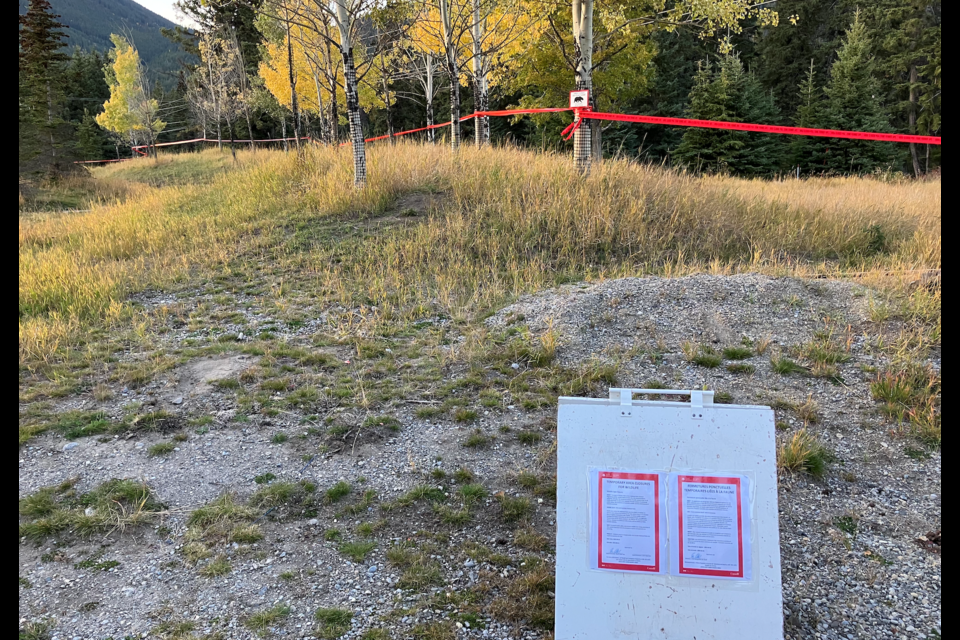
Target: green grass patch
<point>803,453</point>
<point>419,571</point>
<point>337,492</point>
<point>71,424</point>
<point>246,534</point>
<point>435,631</point>
<point>702,355</point>
<point>911,393</point>
<point>217,567</point>
<point>30,431</point>
<point>453,517</point>
<point>530,540</point>
<point>332,535</point>
<point>723,397</point>
<point>427,413</point>
<point>423,493</point>
<point>384,422</point>
<point>513,509</point>
<point>472,493</point>
<point>96,564</point>
<point>463,476</point>
<point>848,524</point>
<point>477,440</point>
<point>161,449</point>
<point>333,623</point>
<point>262,621</point>
<point>357,551</point>
<point>786,367</point>
<point>529,438</point>
<point>738,353</point>
<point>465,415</point>
<point>227,384</point>
<point>741,368</point>
<point>528,480</point>
<point>363,504</point>
<point>225,509</point>
<point>60,510</point>
<point>35,630</point>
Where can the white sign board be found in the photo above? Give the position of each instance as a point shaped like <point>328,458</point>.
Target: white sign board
<point>667,520</point>
<point>580,99</point>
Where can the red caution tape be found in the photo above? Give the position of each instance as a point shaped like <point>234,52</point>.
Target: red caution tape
<point>586,114</point>
<point>764,128</point>
<point>139,149</point>
<point>571,129</point>
<point>170,144</point>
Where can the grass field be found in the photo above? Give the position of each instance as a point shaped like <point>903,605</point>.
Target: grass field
<point>482,228</point>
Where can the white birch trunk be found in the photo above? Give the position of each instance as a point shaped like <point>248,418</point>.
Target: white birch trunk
<point>320,113</point>
<point>429,93</point>
<point>453,69</point>
<point>480,84</point>
<point>294,106</point>
<point>345,24</point>
<point>583,50</point>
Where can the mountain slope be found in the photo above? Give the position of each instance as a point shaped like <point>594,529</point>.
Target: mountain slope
<point>91,22</point>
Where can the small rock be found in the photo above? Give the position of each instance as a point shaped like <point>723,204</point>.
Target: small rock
<point>372,570</point>
<point>515,366</point>
<point>178,400</point>
<point>313,522</point>
<point>90,512</point>
<point>70,446</point>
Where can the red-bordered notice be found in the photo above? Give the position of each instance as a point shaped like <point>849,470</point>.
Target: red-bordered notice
<point>628,521</point>
<point>711,539</point>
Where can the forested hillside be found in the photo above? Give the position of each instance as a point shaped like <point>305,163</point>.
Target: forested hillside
<point>91,22</point>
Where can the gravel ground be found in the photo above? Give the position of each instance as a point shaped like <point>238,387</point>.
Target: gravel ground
<point>871,580</point>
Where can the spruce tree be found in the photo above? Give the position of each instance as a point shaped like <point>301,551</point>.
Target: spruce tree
<point>808,30</point>
<point>710,99</point>
<point>807,116</point>
<point>852,102</point>
<point>727,93</point>
<point>679,53</point>
<point>44,135</point>
<point>906,38</point>
<point>763,154</point>
<point>93,143</point>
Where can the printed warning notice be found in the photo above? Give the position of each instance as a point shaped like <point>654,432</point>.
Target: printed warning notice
<point>711,519</point>
<point>628,521</point>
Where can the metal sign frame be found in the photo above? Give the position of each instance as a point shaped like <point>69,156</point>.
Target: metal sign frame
<point>580,99</point>
<point>669,437</point>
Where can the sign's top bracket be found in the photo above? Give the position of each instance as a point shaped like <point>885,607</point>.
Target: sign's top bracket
<point>697,398</point>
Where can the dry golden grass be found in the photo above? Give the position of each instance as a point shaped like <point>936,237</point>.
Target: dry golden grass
<point>505,222</point>
<point>72,192</point>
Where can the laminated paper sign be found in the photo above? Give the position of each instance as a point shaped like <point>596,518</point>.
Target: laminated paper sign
<point>710,521</point>
<point>628,521</point>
